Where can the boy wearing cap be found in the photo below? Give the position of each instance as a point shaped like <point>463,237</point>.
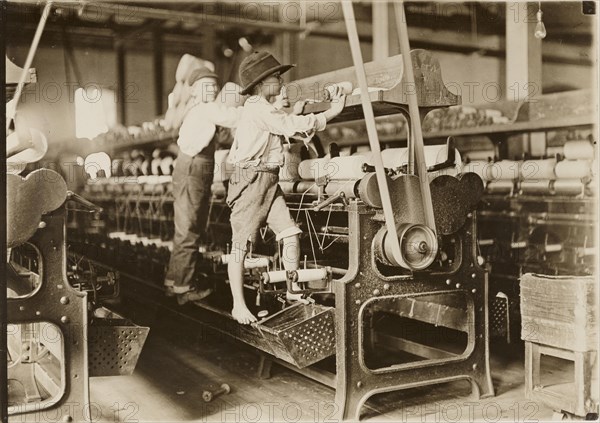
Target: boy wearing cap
<point>257,153</point>
<point>192,178</point>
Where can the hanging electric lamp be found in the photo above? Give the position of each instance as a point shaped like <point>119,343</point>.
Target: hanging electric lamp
<point>540,28</point>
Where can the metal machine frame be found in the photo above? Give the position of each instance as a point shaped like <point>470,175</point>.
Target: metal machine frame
<point>354,382</point>
<point>56,302</point>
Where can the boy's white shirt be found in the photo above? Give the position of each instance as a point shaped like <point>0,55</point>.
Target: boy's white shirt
<point>261,120</point>
<point>200,124</point>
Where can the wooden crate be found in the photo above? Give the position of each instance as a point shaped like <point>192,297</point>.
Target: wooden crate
<point>560,311</point>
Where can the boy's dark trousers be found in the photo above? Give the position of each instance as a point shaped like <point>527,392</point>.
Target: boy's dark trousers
<point>192,179</point>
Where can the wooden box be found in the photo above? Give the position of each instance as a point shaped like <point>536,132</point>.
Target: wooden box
<point>560,311</point>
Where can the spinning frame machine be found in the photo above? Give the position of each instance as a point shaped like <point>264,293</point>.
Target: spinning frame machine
<point>405,220</point>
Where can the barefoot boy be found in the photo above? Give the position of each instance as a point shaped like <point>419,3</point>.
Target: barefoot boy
<point>254,194</point>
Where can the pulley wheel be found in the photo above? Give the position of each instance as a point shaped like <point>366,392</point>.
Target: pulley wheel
<point>418,247</point>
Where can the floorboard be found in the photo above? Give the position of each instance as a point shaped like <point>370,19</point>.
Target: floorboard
<point>176,366</point>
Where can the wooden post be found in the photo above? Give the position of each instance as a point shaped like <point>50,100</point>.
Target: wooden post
<point>121,109</point>
<point>158,67</point>
<point>523,52</point>
<point>523,63</point>
<point>381,44</point>
<point>289,47</point>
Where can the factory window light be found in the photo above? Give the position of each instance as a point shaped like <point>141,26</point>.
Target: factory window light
<point>95,111</point>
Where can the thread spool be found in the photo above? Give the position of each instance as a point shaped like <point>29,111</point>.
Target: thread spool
<point>346,168</point>
<point>145,167</point>
<point>492,113</point>
<point>572,169</point>
<point>166,164</point>
<point>349,188</point>
<point>274,276</point>
<point>581,149</point>
<point>568,187</point>
<point>301,275</point>
<point>117,167</point>
<point>587,251</point>
<point>313,169</point>
<point>538,169</point>
<point>536,187</point>
<point>517,245</point>
<point>552,248</point>
<point>483,155</point>
<point>504,170</point>
<point>393,157</point>
<point>434,154</point>
<point>307,187</point>
<point>288,187</point>
<point>155,166</point>
<point>307,275</point>
<point>500,187</point>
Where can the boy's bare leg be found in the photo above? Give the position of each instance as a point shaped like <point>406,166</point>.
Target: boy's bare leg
<point>235,270</point>
<point>290,257</point>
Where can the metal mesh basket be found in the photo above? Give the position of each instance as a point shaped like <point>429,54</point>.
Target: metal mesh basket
<point>114,346</point>
<point>301,334</point>
<point>500,317</point>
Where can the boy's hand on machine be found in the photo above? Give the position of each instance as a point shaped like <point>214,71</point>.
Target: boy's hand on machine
<point>243,315</point>
<point>282,101</point>
<point>299,107</point>
<point>338,101</point>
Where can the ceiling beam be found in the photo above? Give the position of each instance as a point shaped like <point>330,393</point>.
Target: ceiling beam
<point>224,19</point>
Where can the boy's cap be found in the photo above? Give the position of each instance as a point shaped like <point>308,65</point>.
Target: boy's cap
<point>258,66</point>
<point>200,73</point>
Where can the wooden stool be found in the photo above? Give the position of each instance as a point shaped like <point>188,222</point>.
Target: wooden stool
<point>559,318</point>
<point>575,398</point>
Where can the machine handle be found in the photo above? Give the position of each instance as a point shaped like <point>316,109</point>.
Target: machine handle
<point>450,160</point>
<point>82,201</point>
<point>330,200</point>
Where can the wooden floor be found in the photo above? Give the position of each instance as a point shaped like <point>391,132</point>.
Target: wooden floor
<point>181,360</point>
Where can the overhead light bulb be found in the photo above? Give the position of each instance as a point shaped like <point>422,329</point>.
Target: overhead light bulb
<point>540,28</point>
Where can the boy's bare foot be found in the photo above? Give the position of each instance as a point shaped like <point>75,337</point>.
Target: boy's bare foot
<point>292,297</point>
<point>243,315</point>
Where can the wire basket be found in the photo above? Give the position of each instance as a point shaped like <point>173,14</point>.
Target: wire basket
<point>301,334</point>
<point>114,345</point>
